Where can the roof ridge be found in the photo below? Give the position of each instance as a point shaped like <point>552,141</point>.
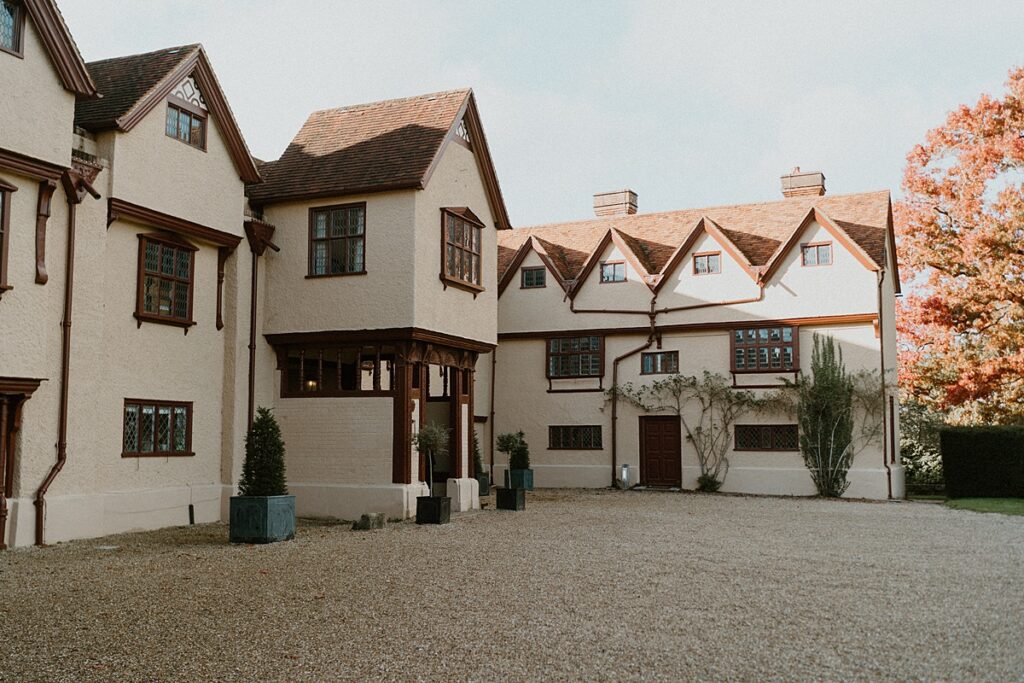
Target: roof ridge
<point>395,100</point>
<point>166,50</point>
<point>696,209</point>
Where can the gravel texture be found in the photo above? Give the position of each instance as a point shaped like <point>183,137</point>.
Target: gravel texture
<point>582,585</point>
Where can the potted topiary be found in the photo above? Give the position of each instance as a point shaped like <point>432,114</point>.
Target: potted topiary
<point>482,477</point>
<point>432,441</point>
<point>262,512</point>
<point>518,475</point>
<point>513,495</point>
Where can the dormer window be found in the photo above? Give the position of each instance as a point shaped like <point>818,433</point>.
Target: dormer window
<point>11,26</point>
<point>186,123</point>
<point>534,277</point>
<point>818,254</point>
<point>613,271</point>
<point>709,263</point>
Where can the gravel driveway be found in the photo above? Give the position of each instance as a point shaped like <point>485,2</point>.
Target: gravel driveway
<point>594,585</point>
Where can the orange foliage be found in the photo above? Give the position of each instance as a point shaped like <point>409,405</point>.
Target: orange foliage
<point>961,229</point>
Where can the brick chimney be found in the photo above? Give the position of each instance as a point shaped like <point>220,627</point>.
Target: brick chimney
<point>797,184</point>
<point>618,203</point>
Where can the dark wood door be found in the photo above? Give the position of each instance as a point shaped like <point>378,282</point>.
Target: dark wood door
<point>660,451</point>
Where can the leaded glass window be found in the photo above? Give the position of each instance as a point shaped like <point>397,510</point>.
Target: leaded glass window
<point>337,240</point>
<point>575,357</point>
<point>586,437</point>
<point>707,264</point>
<point>767,437</point>
<point>157,428</point>
<point>534,277</point>
<point>816,254</point>
<point>165,291</point>
<point>659,362</point>
<point>764,349</point>
<point>461,250</point>
<point>10,26</point>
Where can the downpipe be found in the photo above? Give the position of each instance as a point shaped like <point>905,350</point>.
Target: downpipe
<point>615,389</point>
<point>881,354</point>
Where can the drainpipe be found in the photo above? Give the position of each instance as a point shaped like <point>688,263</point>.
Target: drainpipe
<point>494,370</point>
<point>75,188</point>
<point>881,354</point>
<point>3,472</point>
<point>252,340</point>
<point>615,384</point>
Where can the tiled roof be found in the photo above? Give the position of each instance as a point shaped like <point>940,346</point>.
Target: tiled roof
<point>123,81</point>
<point>757,230</point>
<point>362,148</point>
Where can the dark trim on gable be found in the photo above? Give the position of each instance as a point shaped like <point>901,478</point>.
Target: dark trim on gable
<point>118,209</point>
<point>198,66</point>
<point>61,47</point>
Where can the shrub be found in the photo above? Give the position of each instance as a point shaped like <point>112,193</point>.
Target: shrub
<point>263,470</point>
<point>432,440</point>
<point>919,447</point>
<point>515,447</point>
<point>707,482</point>
<point>983,462</point>
<point>825,413</point>
<point>478,463</point>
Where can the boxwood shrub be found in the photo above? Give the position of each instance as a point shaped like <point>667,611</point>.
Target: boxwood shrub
<point>983,462</point>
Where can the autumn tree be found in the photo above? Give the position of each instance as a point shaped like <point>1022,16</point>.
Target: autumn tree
<point>962,244</point>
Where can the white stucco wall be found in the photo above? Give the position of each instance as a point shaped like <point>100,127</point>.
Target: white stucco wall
<point>165,174</point>
<point>36,112</point>
<point>380,299</point>
<point>455,182</point>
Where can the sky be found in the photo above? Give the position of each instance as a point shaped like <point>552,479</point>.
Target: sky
<point>689,104</point>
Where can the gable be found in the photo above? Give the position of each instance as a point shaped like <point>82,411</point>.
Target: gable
<point>60,46</point>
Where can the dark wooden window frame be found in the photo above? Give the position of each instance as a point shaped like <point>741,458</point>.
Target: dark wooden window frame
<point>317,368</point>
<point>667,354</point>
<point>19,31</point>
<point>705,255</point>
<point>769,344</point>
<point>533,269</point>
<point>560,435</point>
<point>6,191</point>
<point>600,272</point>
<point>165,240</point>
<point>815,245</point>
<point>773,437</point>
<point>455,280</point>
<point>180,106</point>
<point>157,405</point>
<point>313,211</point>
<point>548,354</point>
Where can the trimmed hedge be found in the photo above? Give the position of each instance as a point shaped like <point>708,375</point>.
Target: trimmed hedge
<point>983,462</point>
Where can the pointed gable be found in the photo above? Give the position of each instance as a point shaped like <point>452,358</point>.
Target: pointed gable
<point>61,47</point>
<point>378,147</point>
<point>132,86</point>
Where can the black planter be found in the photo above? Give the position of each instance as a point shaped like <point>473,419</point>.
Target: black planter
<point>519,479</point>
<point>511,499</point>
<point>433,509</point>
<point>262,519</point>
<point>485,484</point>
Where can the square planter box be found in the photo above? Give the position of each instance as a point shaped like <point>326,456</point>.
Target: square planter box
<point>519,479</point>
<point>433,509</point>
<point>262,519</point>
<point>511,499</point>
<point>485,484</point>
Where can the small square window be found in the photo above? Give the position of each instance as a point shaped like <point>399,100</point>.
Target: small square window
<point>613,271</point>
<point>707,264</point>
<point>11,26</point>
<point>533,278</point>
<point>156,428</point>
<point>816,254</point>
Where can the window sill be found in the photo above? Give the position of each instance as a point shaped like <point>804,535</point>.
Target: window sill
<point>312,276</point>
<point>667,372</point>
<point>766,450</point>
<point>147,318</point>
<point>460,284</point>
<point>19,55</point>
<point>533,287</point>
<point>165,454</point>
<point>784,371</point>
<point>5,288</point>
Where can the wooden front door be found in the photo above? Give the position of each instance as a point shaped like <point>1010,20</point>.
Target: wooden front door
<point>660,451</point>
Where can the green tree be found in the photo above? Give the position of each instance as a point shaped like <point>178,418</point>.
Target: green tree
<point>825,414</point>
<point>263,470</point>
<point>513,444</point>
<point>432,440</point>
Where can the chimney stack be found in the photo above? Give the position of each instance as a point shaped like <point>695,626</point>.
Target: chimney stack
<point>797,184</point>
<point>618,203</point>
